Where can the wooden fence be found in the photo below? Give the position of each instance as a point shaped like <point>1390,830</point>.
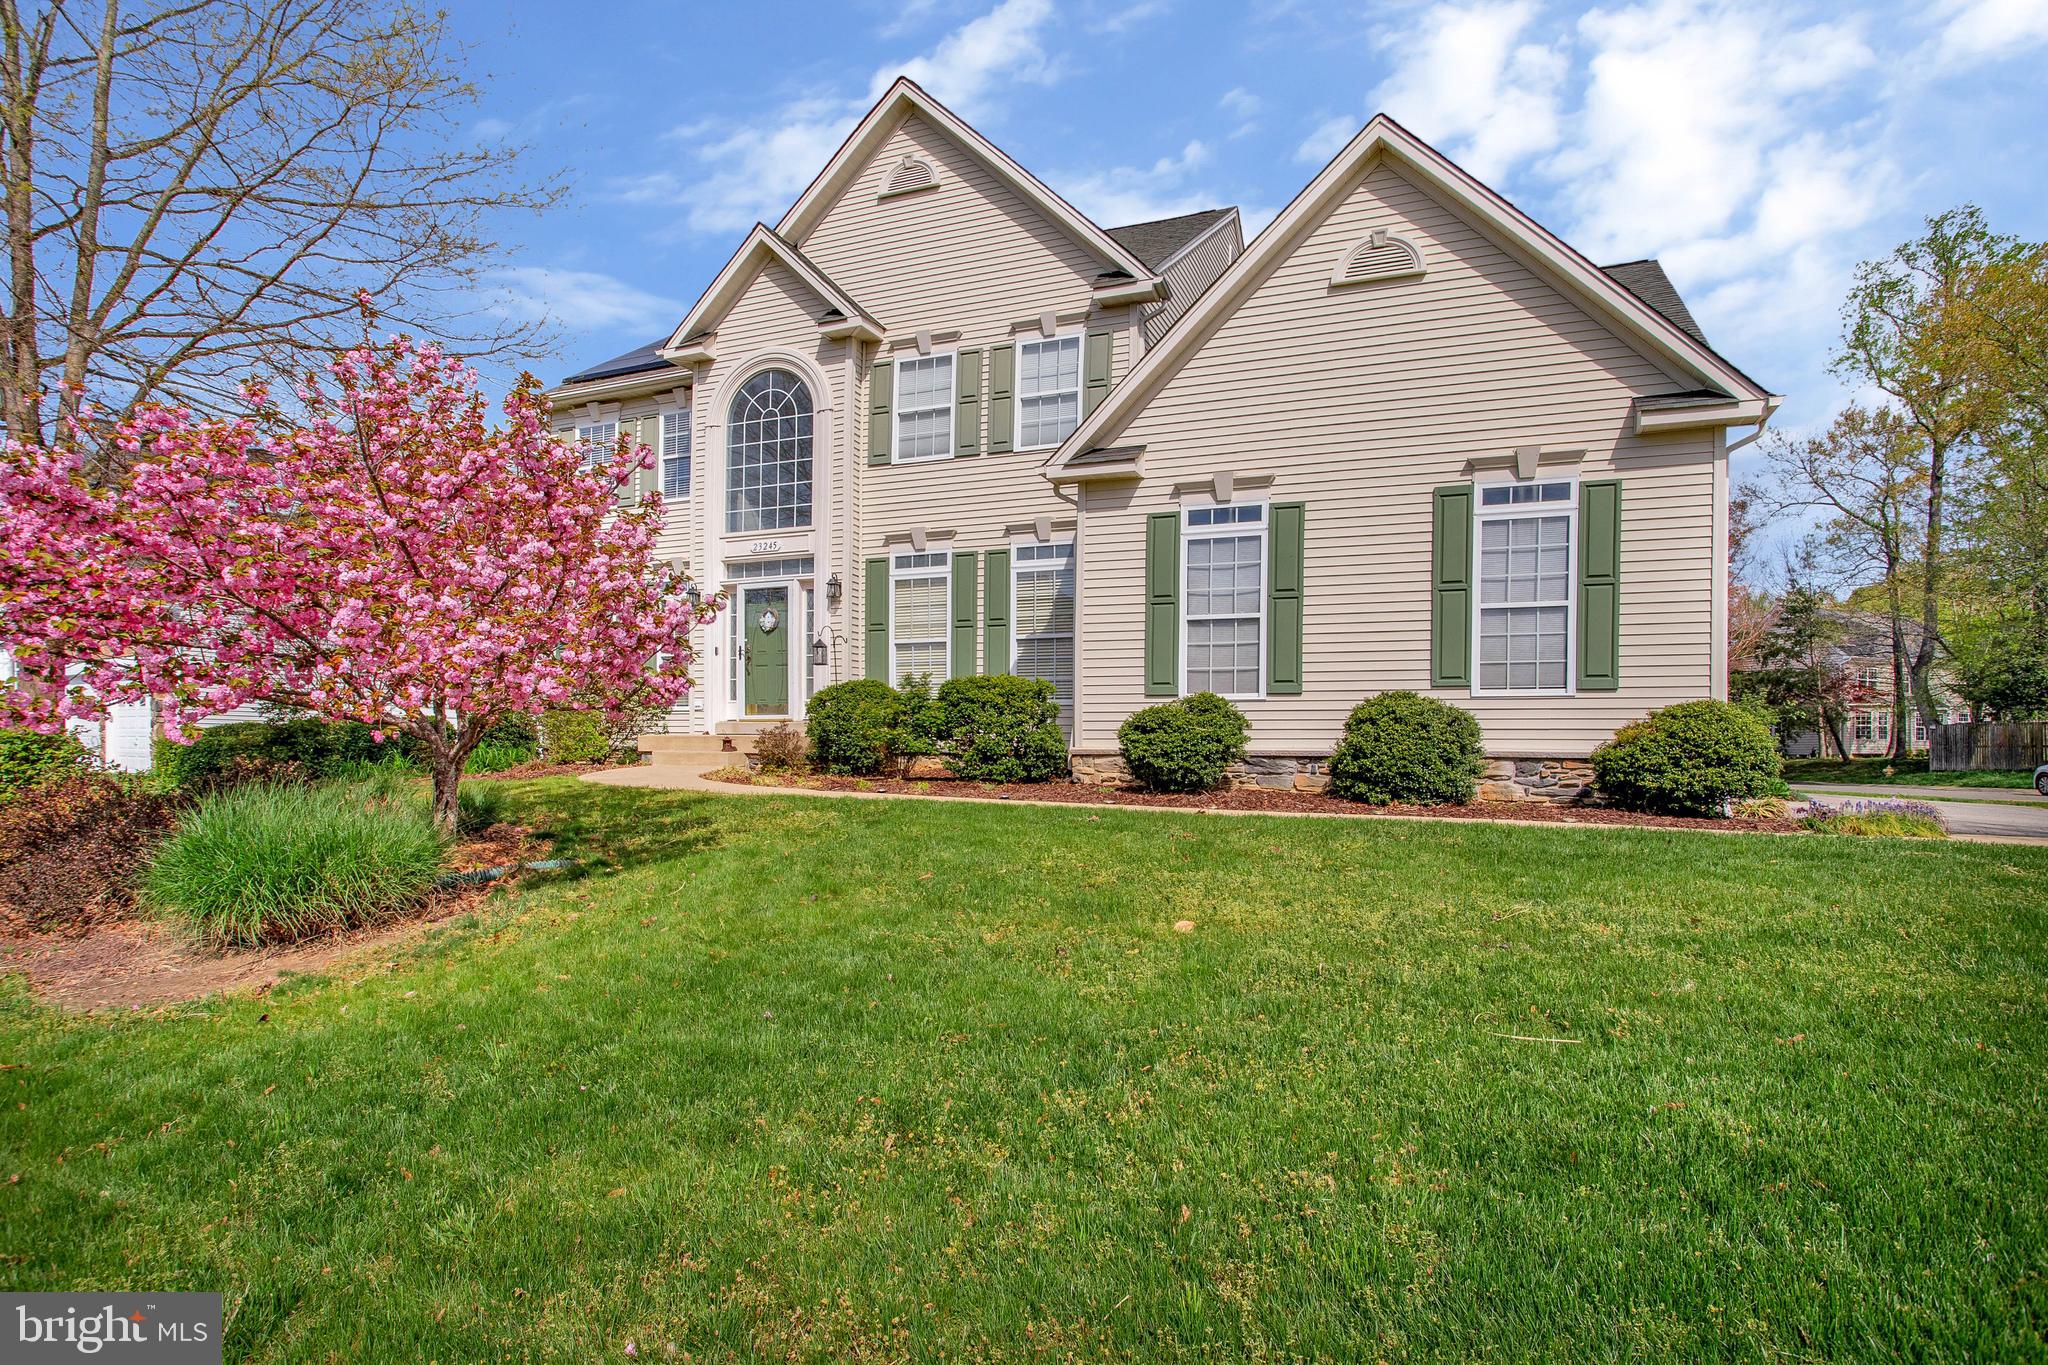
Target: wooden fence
<point>1978,745</point>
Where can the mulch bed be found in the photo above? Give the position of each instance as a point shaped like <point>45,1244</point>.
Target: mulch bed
<point>540,768</point>
<point>1251,799</point>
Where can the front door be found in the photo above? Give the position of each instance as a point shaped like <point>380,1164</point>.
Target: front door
<point>766,612</point>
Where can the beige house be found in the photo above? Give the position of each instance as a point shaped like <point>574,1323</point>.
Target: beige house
<point>937,422</point>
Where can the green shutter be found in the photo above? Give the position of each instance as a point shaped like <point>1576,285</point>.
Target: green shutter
<point>1283,601</point>
<point>876,592</point>
<point>965,618</point>
<point>995,614</point>
<point>1162,604</point>
<point>1002,412</point>
<point>967,403</point>
<point>881,435</point>
<point>650,436</point>
<point>1095,374</point>
<point>1450,598</point>
<point>1600,585</point>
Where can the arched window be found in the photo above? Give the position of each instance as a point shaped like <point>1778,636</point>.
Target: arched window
<point>768,454</point>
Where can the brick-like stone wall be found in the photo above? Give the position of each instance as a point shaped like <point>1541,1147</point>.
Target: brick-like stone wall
<point>1506,779</point>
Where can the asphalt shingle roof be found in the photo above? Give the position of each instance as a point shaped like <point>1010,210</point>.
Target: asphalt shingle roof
<point>1156,241</point>
<point>1648,282</point>
<point>635,361</point>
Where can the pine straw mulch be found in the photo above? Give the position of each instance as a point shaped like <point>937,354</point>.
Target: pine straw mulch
<point>120,959</point>
<point>1260,799</point>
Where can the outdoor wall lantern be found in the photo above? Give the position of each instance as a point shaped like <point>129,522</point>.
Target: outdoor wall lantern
<point>831,594</point>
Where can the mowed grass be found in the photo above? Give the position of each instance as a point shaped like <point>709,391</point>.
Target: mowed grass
<point>1906,772</point>
<point>792,1078</point>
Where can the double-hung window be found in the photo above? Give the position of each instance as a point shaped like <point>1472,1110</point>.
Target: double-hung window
<point>675,453</point>
<point>920,610</point>
<point>1042,608</point>
<point>1223,551</point>
<point>597,440</point>
<point>924,408</point>
<point>1048,391</point>
<point>1526,586</point>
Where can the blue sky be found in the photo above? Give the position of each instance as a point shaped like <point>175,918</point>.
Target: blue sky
<point>1760,148</point>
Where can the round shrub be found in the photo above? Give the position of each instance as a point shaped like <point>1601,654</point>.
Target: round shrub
<point>268,864</point>
<point>1688,759</point>
<point>855,728</point>
<point>1185,745</point>
<point>1402,746</point>
<point>1001,728</point>
<point>574,737</point>
<point>29,759</point>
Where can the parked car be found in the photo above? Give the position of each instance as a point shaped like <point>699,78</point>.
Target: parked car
<point>2041,779</point>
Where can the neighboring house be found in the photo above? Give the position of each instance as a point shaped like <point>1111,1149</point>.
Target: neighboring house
<point>126,739</point>
<point>936,421</point>
<point>1863,653</point>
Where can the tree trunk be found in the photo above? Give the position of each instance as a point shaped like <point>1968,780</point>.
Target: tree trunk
<point>1902,735</point>
<point>1930,616</point>
<point>447,786</point>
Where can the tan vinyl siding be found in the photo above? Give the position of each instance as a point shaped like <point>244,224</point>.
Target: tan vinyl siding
<point>1359,401</point>
<point>969,261</point>
<point>1186,277</point>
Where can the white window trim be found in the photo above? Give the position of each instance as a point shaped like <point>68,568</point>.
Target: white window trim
<point>1512,512</point>
<point>1074,635</point>
<point>661,457</point>
<point>1232,531</point>
<point>896,455</point>
<point>898,574</point>
<point>1016,384</point>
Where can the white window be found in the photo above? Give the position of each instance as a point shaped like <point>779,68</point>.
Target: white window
<point>920,613</point>
<point>675,454</point>
<point>768,454</point>
<point>1526,586</point>
<point>598,441</point>
<point>1223,600</point>
<point>1042,616</point>
<point>924,408</point>
<point>1873,728</point>
<point>1048,391</point>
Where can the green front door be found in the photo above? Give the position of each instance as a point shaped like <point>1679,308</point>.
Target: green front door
<point>768,625</point>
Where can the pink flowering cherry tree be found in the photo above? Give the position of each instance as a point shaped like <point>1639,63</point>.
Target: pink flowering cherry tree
<point>387,556</point>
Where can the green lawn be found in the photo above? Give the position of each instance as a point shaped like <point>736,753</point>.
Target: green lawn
<point>1912,772</point>
<point>800,1078</point>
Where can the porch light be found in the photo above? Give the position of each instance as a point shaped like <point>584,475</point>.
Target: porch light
<point>818,652</point>
<point>831,596</point>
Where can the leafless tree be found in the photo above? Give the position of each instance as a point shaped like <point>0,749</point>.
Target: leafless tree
<point>198,189</point>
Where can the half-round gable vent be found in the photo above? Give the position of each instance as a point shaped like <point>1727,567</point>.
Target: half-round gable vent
<point>912,173</point>
<point>1382,256</point>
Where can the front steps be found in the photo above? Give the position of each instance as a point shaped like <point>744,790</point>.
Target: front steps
<point>694,751</point>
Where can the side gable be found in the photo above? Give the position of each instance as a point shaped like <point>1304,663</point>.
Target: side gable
<point>1383,148</point>
<point>835,314</point>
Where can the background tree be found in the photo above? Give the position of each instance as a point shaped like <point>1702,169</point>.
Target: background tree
<point>196,192</point>
<point>1866,475</point>
<point>391,558</point>
<point>1751,613</point>
<point>1905,333</point>
<point>1800,678</point>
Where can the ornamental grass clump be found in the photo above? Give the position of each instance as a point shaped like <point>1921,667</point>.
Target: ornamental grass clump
<point>1403,746</point>
<point>273,863</point>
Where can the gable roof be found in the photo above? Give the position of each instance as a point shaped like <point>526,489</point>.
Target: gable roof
<point>1647,281</point>
<point>842,317</point>
<point>1155,243</point>
<point>898,102</point>
<point>1382,136</point>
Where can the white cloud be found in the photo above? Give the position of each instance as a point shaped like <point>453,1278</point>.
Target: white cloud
<point>582,300</point>
<point>1239,101</point>
<point>1467,81</point>
<point>1328,139</point>
<point>753,171</point>
<point>1129,16</point>
<point>1972,30</point>
<point>1128,194</point>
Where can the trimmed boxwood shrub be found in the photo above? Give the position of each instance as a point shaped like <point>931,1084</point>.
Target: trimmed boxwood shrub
<point>1001,728</point>
<point>1185,745</point>
<point>857,728</point>
<point>29,759</point>
<point>1689,759</point>
<point>574,737</point>
<point>1402,746</point>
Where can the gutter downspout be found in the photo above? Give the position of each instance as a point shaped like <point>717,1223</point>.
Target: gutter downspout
<point>1770,409</point>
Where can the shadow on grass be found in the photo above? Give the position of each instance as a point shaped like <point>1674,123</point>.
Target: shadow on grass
<point>608,830</point>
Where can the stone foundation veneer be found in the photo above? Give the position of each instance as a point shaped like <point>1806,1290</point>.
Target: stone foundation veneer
<point>1506,779</point>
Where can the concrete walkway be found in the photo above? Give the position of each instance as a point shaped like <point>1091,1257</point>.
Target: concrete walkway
<point>1901,791</point>
<point>689,776</point>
